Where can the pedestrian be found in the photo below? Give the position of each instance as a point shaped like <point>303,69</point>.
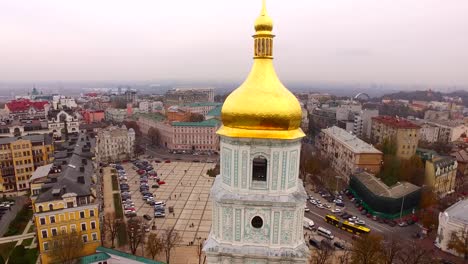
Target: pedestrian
<point>173,214</point>
<point>175,195</point>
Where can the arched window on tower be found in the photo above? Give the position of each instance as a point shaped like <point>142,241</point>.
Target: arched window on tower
<point>259,169</point>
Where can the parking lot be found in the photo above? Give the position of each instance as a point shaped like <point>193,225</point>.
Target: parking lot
<point>186,189</point>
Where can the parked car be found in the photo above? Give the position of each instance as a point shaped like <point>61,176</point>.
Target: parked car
<point>340,204</point>
<point>159,214</point>
<point>155,186</point>
<point>339,245</point>
<point>314,243</point>
<point>336,210</point>
<point>147,217</point>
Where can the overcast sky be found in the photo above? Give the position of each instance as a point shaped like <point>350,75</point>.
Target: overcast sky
<point>368,41</point>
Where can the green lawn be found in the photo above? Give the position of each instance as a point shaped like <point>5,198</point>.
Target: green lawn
<point>32,229</point>
<point>6,248</point>
<point>23,255</point>
<point>27,242</point>
<point>115,184</point>
<point>121,233</point>
<point>18,224</point>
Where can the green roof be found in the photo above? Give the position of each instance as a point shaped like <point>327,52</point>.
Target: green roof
<point>100,256</point>
<point>203,104</point>
<point>206,123</point>
<point>103,252</point>
<point>215,111</point>
<point>155,116</point>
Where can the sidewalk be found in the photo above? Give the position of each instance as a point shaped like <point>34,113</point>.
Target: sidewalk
<point>26,229</point>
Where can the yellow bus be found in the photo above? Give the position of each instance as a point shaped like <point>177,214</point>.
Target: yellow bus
<point>347,226</point>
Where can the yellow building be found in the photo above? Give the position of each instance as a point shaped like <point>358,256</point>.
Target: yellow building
<point>64,200</point>
<point>440,174</point>
<point>404,133</point>
<point>20,156</point>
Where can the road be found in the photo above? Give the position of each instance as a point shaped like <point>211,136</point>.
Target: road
<point>317,215</point>
<point>11,214</point>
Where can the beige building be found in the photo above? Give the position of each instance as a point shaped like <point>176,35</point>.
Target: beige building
<point>403,132</point>
<point>428,132</point>
<point>449,130</point>
<point>441,173</point>
<point>199,136</point>
<point>115,144</point>
<point>347,153</point>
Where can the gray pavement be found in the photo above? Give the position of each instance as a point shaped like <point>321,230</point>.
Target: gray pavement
<point>11,214</point>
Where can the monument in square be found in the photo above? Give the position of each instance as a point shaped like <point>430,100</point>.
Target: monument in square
<point>258,199</point>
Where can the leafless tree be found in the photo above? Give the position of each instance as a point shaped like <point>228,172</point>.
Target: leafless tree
<point>344,257</point>
<point>111,226</point>
<point>415,254</point>
<point>390,251</point>
<point>459,242</point>
<point>136,233</point>
<point>367,249</point>
<point>321,256</point>
<point>66,247</point>
<point>154,245</point>
<point>170,239</point>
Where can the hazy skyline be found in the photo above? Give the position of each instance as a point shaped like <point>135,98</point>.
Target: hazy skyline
<point>368,41</point>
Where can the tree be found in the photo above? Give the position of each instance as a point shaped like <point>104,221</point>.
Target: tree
<point>367,249</point>
<point>18,255</point>
<point>412,170</point>
<point>154,245</point>
<point>111,226</point>
<point>66,247</point>
<point>321,256</point>
<point>170,238</point>
<point>136,233</point>
<point>194,117</point>
<point>214,171</point>
<point>344,257</point>
<point>390,170</point>
<point>390,251</point>
<point>153,134</point>
<point>459,242</point>
<point>413,253</point>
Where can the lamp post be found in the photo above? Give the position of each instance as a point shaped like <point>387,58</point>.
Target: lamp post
<point>401,210</point>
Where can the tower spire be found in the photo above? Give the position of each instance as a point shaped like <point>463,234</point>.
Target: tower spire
<point>263,38</point>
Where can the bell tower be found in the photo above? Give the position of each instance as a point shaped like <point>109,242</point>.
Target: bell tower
<point>258,199</point>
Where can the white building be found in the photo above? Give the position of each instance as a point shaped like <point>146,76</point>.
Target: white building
<point>258,199</point>
<point>59,120</point>
<point>429,132</point>
<point>454,219</point>
<point>60,102</point>
<point>115,144</point>
<point>362,125</point>
<point>449,130</point>
<point>115,115</point>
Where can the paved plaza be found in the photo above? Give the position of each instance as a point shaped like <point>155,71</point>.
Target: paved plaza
<point>186,189</point>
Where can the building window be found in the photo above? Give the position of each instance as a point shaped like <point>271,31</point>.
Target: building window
<point>73,228</point>
<point>69,204</point>
<point>40,208</point>
<point>259,169</point>
<point>93,225</point>
<point>91,213</point>
<point>54,232</point>
<point>46,245</point>
<point>51,207</point>
<point>85,238</point>
<point>42,220</point>
<point>83,227</point>
<point>94,235</point>
<point>52,219</point>
<point>82,215</point>
<point>44,233</point>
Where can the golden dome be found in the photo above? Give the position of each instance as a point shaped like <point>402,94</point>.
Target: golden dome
<point>262,107</point>
<point>264,21</point>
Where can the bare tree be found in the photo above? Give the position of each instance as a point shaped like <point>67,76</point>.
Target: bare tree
<point>321,256</point>
<point>344,257</point>
<point>154,245</point>
<point>170,238</point>
<point>415,254</point>
<point>153,134</point>
<point>390,251</point>
<point>459,242</point>
<point>136,233</point>
<point>367,249</point>
<point>111,226</point>
<point>66,247</point>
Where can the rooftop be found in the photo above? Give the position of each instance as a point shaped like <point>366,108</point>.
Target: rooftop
<point>203,104</point>
<point>461,155</point>
<point>395,122</point>
<point>206,123</point>
<point>103,253</point>
<point>378,187</point>
<point>33,138</point>
<point>216,112</point>
<point>459,211</point>
<point>155,116</point>
<point>349,140</point>
<point>22,105</point>
<point>41,171</point>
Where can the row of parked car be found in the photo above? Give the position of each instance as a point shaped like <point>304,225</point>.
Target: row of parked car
<point>147,173</point>
<point>125,194</point>
<point>5,206</point>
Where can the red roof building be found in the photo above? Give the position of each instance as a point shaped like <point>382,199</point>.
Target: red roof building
<point>395,122</point>
<point>26,107</point>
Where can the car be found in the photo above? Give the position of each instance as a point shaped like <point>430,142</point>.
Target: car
<point>161,182</point>
<point>306,209</point>
<point>368,215</point>
<point>340,204</point>
<point>336,210</point>
<point>130,214</point>
<point>147,217</point>
<point>155,186</point>
<point>327,206</point>
<point>128,211</point>
<point>159,203</point>
<point>159,214</point>
<point>337,201</point>
<point>146,228</point>
<point>339,245</point>
<point>363,212</point>
<point>391,223</point>
<point>312,202</point>
<point>352,199</point>
<point>402,224</point>
<point>314,243</point>
<point>360,222</point>
<point>320,206</point>
<point>167,161</point>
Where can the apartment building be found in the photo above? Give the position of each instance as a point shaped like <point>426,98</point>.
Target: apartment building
<point>115,144</point>
<point>428,132</point>
<point>115,115</point>
<point>64,200</point>
<point>441,173</point>
<point>25,108</point>
<point>453,219</point>
<point>200,108</point>
<point>19,157</point>
<point>62,121</point>
<point>347,153</point>
<point>404,133</point>
<point>449,130</point>
<point>362,124</point>
<point>182,96</point>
